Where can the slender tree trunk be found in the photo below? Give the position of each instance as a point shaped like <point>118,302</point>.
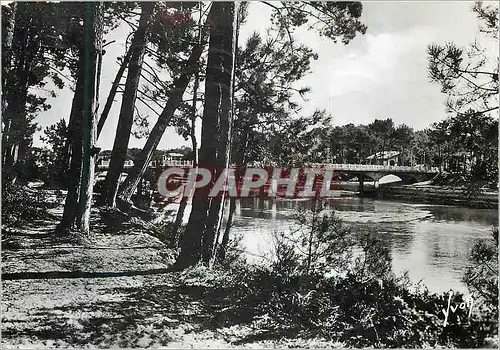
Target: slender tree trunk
<point>95,38</point>
<point>196,86</point>
<point>222,247</point>
<point>104,115</point>
<point>309,246</point>
<point>6,65</point>
<point>83,129</point>
<point>221,254</point>
<point>7,50</point>
<point>183,204</point>
<point>16,89</point>
<point>112,92</point>
<point>67,150</point>
<point>75,156</point>
<point>239,160</point>
<point>440,159</point>
<point>142,160</point>
<point>126,120</point>
<point>22,47</point>
<point>383,151</point>
<point>198,240</point>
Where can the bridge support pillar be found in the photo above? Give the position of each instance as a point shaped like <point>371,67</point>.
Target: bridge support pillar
<point>361,178</point>
<point>273,208</point>
<point>238,206</point>
<point>256,202</point>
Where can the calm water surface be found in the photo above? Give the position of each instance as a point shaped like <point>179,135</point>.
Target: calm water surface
<point>431,242</point>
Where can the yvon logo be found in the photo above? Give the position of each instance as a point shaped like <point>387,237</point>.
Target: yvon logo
<point>467,304</point>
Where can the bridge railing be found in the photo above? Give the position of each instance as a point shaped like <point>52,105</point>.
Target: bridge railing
<point>179,163</point>
<point>372,167</point>
<point>337,167</point>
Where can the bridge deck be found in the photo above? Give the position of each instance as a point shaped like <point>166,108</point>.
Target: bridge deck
<point>340,167</point>
<point>377,168</point>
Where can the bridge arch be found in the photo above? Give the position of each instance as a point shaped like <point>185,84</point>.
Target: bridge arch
<point>407,178</point>
<point>391,178</point>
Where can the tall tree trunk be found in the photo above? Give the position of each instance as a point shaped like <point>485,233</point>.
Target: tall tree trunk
<point>126,120</point>
<point>83,129</point>
<point>198,240</point>
<point>16,89</point>
<point>75,159</point>
<point>184,200</point>
<point>8,37</point>
<point>95,38</point>
<point>142,160</point>
<point>216,212</point>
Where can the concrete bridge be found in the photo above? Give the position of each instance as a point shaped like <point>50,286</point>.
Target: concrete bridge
<point>364,172</point>
<point>407,174</point>
<point>376,172</point>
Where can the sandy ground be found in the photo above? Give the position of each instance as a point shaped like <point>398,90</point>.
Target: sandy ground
<point>112,291</point>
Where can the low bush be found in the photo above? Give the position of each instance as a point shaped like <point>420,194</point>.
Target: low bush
<point>357,312</point>
<point>365,306</point>
<point>21,204</point>
<point>482,275</point>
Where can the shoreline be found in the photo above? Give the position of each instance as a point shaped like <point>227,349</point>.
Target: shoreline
<point>443,195</point>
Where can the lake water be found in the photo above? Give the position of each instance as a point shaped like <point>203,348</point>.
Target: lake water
<point>431,242</point>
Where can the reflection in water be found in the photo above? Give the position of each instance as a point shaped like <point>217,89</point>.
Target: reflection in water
<point>432,243</point>
<point>447,213</point>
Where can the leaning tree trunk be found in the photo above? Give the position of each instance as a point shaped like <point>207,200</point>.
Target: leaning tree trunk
<point>184,200</point>
<point>197,242</point>
<point>104,115</point>
<point>143,159</point>
<point>113,91</point>
<point>83,129</point>
<point>126,119</point>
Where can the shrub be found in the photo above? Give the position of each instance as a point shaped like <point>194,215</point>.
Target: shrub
<point>368,307</point>
<point>319,243</point>
<point>21,204</point>
<point>162,229</point>
<point>482,276</point>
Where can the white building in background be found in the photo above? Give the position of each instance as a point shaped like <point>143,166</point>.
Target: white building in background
<point>172,159</point>
<point>104,163</point>
<point>386,158</point>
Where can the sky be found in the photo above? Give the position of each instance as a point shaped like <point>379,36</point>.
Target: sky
<point>382,74</point>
